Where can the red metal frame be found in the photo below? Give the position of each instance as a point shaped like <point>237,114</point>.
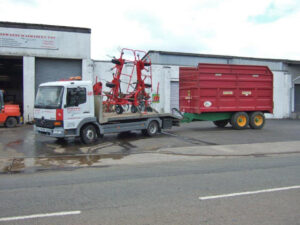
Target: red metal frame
<point>138,95</point>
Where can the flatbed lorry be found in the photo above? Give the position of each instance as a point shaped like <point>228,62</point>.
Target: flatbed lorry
<point>221,93</point>
<point>70,109</point>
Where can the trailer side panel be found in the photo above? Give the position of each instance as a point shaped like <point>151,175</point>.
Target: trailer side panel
<point>225,88</point>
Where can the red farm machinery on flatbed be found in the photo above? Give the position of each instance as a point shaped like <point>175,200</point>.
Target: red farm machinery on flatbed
<point>139,81</point>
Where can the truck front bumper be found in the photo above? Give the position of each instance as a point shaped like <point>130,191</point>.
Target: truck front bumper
<point>58,132</point>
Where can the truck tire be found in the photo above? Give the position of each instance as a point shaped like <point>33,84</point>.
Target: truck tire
<point>257,120</point>
<point>152,129</point>
<point>88,134</point>
<point>221,123</point>
<point>240,120</point>
<point>11,122</point>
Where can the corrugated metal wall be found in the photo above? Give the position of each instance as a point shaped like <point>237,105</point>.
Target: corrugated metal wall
<point>186,60</point>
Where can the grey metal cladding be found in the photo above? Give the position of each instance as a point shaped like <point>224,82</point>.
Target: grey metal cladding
<point>47,70</point>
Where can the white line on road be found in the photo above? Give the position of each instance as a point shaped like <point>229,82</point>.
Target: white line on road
<point>249,192</point>
<point>40,215</point>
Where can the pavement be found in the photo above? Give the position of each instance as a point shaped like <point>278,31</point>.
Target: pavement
<point>256,149</point>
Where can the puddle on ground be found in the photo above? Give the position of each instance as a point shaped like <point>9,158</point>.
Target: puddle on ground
<point>37,153</point>
<point>39,146</point>
<point>30,165</point>
<point>30,153</point>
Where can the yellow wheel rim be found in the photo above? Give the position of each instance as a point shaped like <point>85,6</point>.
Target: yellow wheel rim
<point>258,120</point>
<point>242,120</point>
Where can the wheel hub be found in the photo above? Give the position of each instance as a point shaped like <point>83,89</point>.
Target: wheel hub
<point>152,129</point>
<point>258,120</point>
<point>242,121</point>
<point>90,134</point>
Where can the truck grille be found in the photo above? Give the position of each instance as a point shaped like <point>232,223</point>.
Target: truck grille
<point>44,123</point>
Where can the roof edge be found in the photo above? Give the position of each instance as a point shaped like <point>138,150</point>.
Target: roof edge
<point>7,24</point>
<point>294,62</point>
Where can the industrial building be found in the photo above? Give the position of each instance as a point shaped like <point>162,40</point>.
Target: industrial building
<point>31,54</point>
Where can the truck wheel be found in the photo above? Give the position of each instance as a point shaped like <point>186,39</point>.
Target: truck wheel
<point>119,109</point>
<point>88,134</point>
<point>152,129</point>
<point>257,120</point>
<point>11,122</point>
<point>240,120</point>
<point>221,123</point>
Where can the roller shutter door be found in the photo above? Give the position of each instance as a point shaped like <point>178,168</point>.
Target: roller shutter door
<point>174,100</point>
<point>47,70</point>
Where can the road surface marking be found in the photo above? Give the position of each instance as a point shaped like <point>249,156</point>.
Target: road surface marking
<point>249,192</point>
<point>40,215</point>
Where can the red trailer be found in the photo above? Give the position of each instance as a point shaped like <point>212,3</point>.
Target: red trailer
<point>222,93</point>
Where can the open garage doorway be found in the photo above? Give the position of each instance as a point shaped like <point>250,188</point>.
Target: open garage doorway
<point>11,79</point>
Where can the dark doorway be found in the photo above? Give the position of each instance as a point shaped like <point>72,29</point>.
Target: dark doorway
<point>11,79</point>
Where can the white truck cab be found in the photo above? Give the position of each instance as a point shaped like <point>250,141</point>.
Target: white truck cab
<point>70,109</point>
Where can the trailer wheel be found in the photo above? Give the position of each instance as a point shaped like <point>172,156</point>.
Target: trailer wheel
<point>221,123</point>
<point>240,120</point>
<point>134,109</point>
<point>149,109</point>
<point>257,120</point>
<point>88,134</point>
<point>119,109</point>
<point>11,122</point>
<point>152,129</point>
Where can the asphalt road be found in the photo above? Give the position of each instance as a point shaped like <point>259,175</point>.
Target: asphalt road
<point>158,193</point>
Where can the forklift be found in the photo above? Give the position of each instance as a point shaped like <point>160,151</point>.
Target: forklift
<point>9,113</point>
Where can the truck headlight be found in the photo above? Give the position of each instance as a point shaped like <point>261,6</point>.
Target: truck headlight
<point>58,131</point>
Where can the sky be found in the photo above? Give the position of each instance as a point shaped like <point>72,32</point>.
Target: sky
<point>251,28</point>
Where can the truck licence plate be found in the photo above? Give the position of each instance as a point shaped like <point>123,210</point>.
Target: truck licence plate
<point>43,129</point>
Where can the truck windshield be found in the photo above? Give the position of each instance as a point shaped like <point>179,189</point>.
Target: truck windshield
<point>49,97</point>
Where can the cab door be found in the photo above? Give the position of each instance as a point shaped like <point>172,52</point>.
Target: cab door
<point>77,106</point>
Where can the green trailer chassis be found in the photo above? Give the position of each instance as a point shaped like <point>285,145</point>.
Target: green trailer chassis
<point>189,117</point>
